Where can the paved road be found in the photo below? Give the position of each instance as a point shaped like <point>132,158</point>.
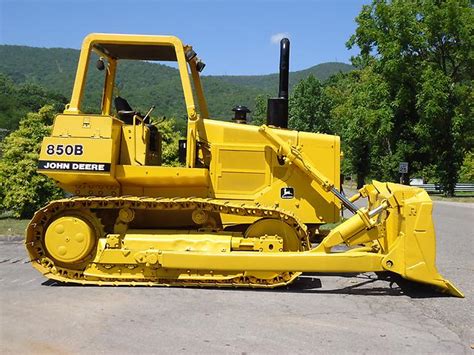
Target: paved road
<point>322,314</point>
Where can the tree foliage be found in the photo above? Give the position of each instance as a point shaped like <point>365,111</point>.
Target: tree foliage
<point>308,107</point>
<point>17,100</point>
<point>170,138</point>
<point>22,190</point>
<point>362,116</point>
<point>259,115</point>
<point>466,174</point>
<point>423,52</point>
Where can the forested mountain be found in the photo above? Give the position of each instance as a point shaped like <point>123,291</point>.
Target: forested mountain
<point>269,83</point>
<point>144,83</point>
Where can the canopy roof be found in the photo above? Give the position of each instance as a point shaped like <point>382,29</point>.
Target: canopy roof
<point>137,47</point>
<point>159,52</point>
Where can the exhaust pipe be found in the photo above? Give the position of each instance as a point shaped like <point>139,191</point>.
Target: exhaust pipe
<point>277,108</point>
<point>284,68</point>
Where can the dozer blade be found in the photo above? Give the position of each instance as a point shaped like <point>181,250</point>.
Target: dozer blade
<point>409,242</point>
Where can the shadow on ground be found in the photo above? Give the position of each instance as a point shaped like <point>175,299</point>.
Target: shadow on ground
<point>363,284</point>
<point>387,284</point>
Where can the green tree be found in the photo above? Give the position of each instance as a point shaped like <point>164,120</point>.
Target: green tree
<point>423,52</point>
<point>259,114</point>
<point>22,190</point>
<point>308,107</point>
<point>170,138</point>
<point>466,173</point>
<point>17,100</point>
<point>362,116</point>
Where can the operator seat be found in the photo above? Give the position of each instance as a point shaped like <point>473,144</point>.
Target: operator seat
<point>125,112</point>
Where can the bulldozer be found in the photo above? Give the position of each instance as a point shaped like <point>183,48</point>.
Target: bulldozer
<point>243,210</point>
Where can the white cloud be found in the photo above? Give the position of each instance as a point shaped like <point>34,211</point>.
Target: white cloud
<point>277,37</point>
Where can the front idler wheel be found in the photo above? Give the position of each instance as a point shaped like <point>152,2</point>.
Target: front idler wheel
<point>69,239</point>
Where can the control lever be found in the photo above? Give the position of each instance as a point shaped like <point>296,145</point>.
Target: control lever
<point>148,113</point>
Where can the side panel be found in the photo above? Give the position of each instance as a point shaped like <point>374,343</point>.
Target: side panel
<point>81,154</point>
<point>240,172</point>
<point>244,166</point>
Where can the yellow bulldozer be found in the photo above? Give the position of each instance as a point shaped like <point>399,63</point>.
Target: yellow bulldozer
<point>243,210</point>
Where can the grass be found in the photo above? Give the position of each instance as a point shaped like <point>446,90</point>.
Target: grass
<point>13,226</point>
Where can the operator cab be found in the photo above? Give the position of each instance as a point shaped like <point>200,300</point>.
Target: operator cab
<point>141,141</point>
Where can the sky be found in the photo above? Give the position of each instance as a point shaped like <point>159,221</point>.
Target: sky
<point>232,37</point>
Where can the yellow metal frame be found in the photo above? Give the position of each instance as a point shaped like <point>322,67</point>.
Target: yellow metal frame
<point>87,47</point>
<point>74,107</point>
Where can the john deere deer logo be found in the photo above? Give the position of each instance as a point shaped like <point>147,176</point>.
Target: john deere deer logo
<point>287,193</point>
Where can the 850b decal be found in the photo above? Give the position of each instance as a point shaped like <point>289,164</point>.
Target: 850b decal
<point>66,149</point>
<point>73,166</point>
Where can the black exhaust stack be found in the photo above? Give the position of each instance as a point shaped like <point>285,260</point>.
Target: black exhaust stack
<point>277,109</point>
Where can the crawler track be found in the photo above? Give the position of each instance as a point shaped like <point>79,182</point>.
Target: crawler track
<point>92,208</point>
